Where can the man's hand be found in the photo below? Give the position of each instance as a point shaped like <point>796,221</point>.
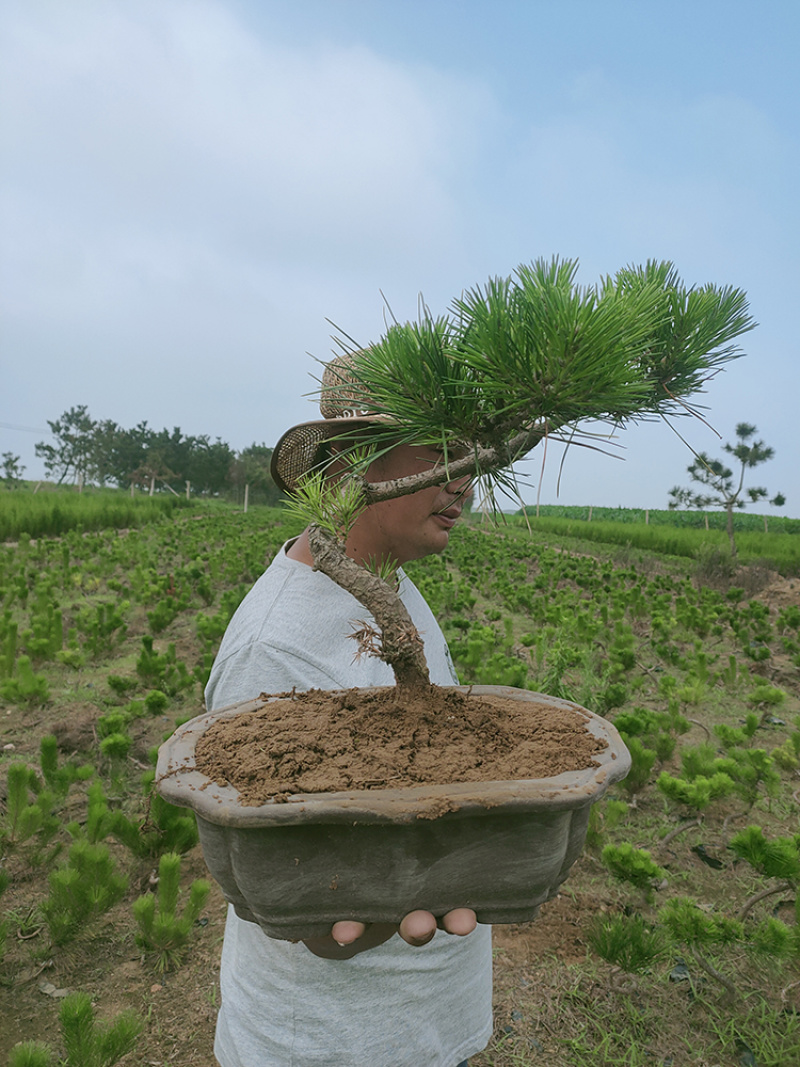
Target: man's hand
<point>347,938</point>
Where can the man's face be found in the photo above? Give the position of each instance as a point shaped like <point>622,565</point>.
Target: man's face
<point>412,526</point>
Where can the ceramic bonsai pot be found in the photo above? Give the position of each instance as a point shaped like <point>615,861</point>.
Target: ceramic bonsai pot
<point>296,867</point>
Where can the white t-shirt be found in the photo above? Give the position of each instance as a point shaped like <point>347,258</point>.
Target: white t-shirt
<point>282,1006</point>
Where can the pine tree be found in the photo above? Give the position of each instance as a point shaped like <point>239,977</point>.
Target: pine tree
<point>721,486</point>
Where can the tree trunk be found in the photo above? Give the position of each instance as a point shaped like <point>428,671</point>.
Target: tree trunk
<point>730,531</point>
<point>397,641</point>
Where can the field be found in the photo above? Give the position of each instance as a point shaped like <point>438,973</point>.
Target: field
<point>107,636</point>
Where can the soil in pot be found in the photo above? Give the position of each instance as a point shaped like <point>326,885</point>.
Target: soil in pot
<point>370,739</point>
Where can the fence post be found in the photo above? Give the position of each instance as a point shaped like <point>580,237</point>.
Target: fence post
<point>246,496</point>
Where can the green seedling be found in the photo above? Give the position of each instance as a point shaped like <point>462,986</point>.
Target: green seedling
<point>116,746</point>
<point>736,736</point>
<point>60,778</point>
<point>28,822</point>
<point>25,687</point>
<point>642,762</point>
<point>699,931</point>
<point>100,819</point>
<point>766,696</point>
<point>787,755</point>
<point>86,887</point>
<point>156,702</point>
<point>162,932</point>
<point>31,1054</point>
<point>778,857</point>
<point>627,942</point>
<point>120,685</point>
<point>8,645</point>
<point>87,1043</point>
<point>698,793</point>
<point>633,866</point>
<point>166,828</point>
<point>163,670</point>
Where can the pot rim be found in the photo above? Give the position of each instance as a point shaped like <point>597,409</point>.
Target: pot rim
<point>179,782</point>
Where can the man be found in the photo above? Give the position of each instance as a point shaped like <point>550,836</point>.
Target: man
<point>365,996</point>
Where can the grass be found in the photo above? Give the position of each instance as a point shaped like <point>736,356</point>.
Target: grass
<point>51,512</point>
<point>781,551</point>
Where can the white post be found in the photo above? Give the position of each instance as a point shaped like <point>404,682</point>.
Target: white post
<point>590,514</point>
<point>246,496</point>
<point>647,516</point>
<point>188,487</point>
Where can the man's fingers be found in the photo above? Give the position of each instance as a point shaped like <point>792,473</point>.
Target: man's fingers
<point>347,931</point>
<point>460,921</point>
<point>418,927</point>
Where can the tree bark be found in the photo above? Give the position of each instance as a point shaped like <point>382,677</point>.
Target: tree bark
<point>730,530</point>
<point>398,642</point>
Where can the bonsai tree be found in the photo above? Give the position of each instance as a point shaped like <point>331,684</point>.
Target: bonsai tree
<point>721,487</point>
<point>515,363</point>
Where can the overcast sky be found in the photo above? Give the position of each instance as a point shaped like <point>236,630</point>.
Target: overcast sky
<point>192,188</point>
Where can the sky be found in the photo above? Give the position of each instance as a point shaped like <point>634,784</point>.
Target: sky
<point>194,191</point>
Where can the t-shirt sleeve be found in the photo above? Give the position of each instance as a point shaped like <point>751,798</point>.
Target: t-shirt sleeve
<point>260,668</point>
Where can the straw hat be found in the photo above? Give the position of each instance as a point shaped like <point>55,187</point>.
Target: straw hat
<point>342,406</point>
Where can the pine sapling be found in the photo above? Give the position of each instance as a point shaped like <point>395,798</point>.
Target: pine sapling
<point>31,1054</point>
<point>24,821</point>
<point>100,819</point>
<point>162,932</point>
<point>628,943</point>
<point>737,736</point>
<point>59,779</point>
<point>91,1044</point>
<point>642,762</point>
<point>164,828</point>
<point>776,858</point>
<point>116,746</point>
<point>700,931</point>
<point>25,687</point>
<point>87,1043</point>
<point>787,755</point>
<point>695,794</point>
<point>634,866</point>
<point>87,886</point>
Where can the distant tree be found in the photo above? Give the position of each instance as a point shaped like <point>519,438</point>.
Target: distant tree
<point>721,487</point>
<point>106,438</point>
<point>152,469</point>
<point>73,452</point>
<point>12,471</point>
<point>251,467</point>
<point>209,464</point>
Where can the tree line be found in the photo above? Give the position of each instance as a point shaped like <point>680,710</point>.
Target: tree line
<point>86,451</point>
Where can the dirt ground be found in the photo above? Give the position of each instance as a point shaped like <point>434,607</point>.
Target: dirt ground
<point>180,1008</point>
<point>532,962</point>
